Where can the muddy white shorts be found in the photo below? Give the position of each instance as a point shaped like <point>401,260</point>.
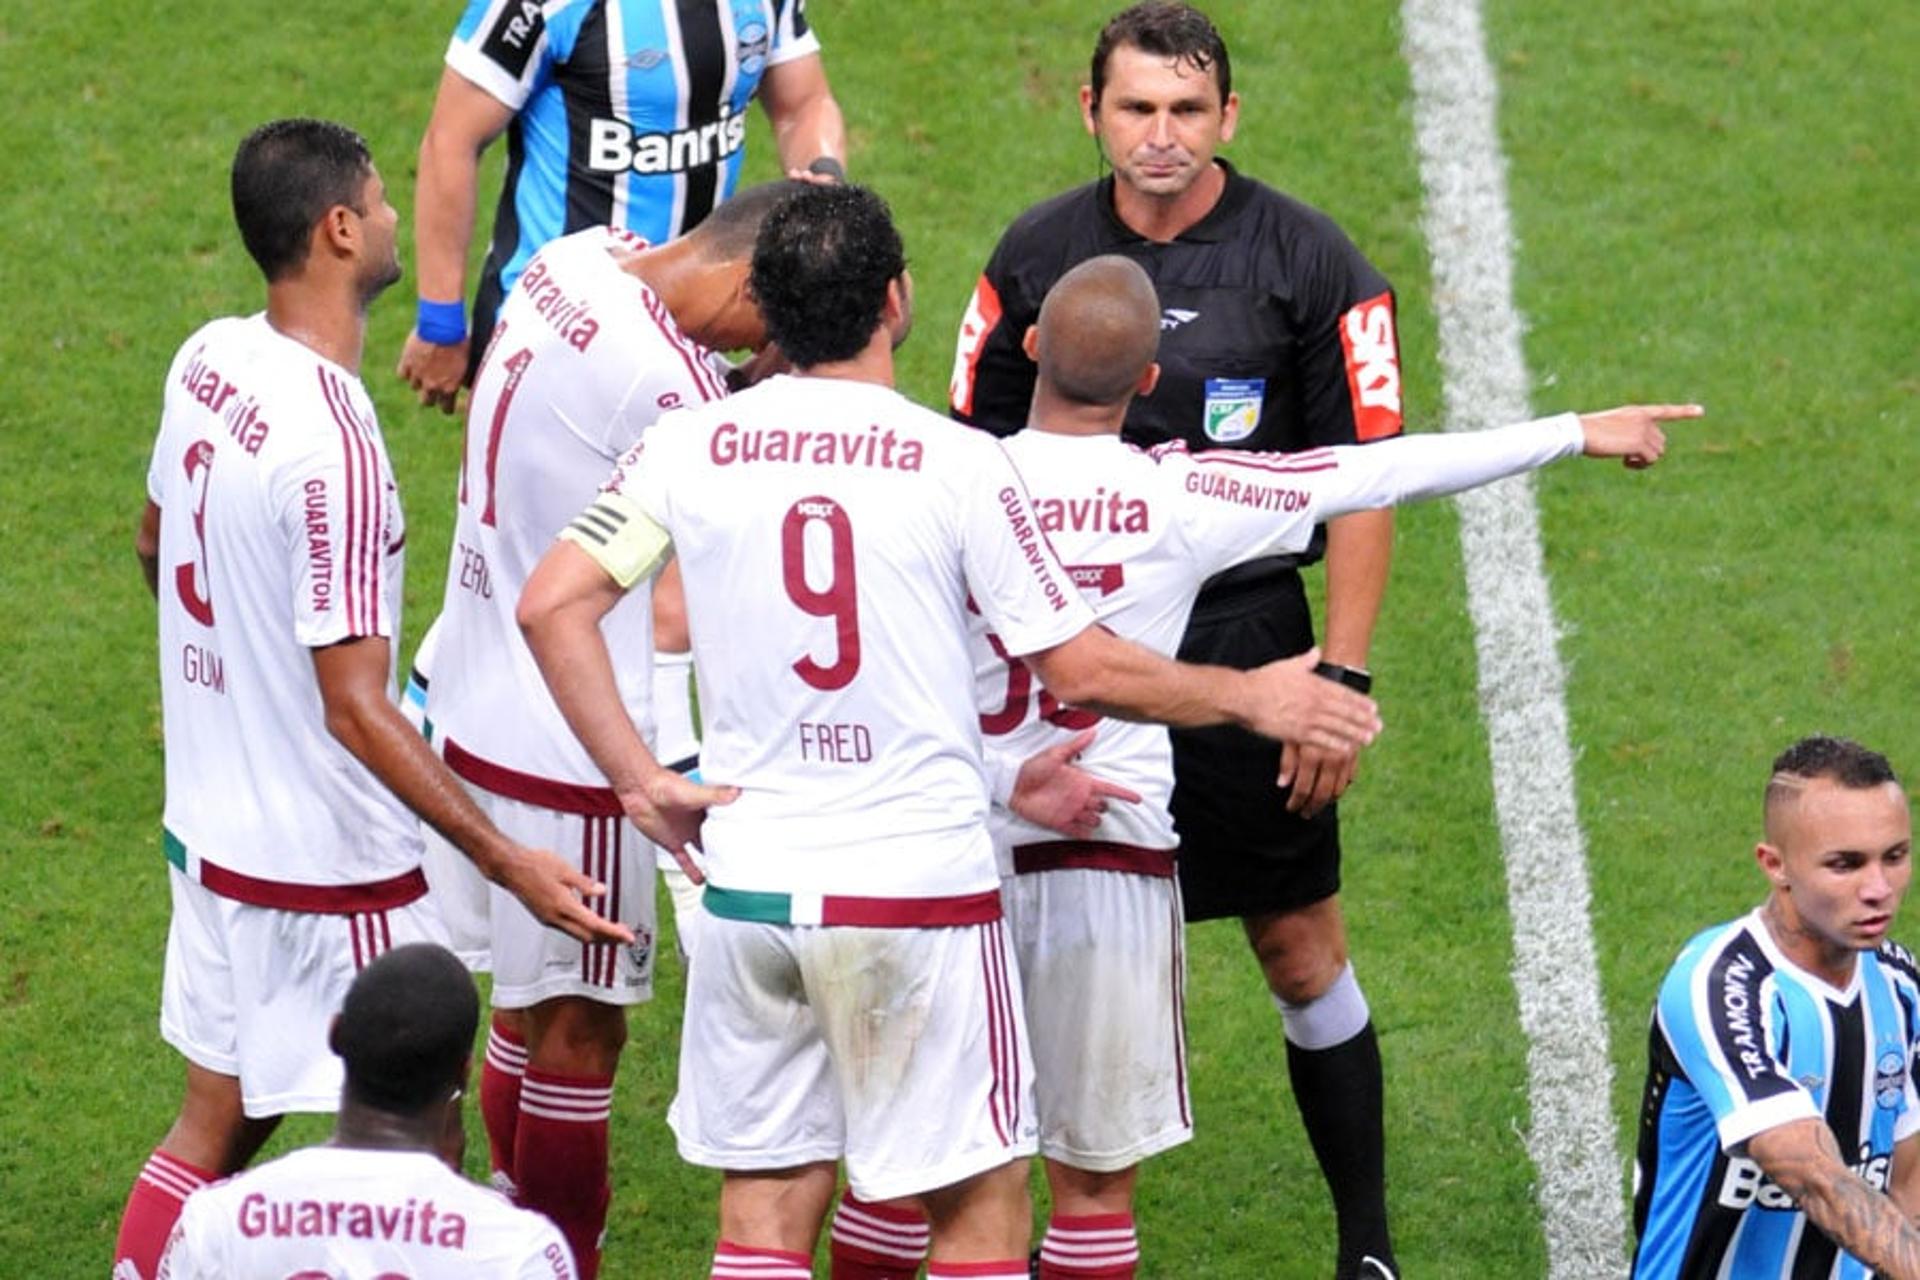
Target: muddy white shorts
<point>901,1050</point>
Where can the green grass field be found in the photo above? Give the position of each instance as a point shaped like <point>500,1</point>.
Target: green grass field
<point>1712,202</point>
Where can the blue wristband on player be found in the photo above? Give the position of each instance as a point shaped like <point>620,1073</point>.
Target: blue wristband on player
<point>441,323</point>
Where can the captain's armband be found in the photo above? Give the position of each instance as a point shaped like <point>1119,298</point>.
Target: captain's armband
<point>622,539</point>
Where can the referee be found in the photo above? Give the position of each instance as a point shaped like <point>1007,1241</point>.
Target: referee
<point>1276,334</point>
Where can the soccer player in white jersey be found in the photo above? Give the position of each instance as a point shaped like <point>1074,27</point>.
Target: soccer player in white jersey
<point>1095,922</point>
<point>385,1196</point>
<point>599,336</point>
<point>272,539</point>
<point>853,994</point>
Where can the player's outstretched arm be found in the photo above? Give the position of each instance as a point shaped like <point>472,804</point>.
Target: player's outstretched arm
<point>1632,432</point>
<point>353,690</point>
<point>1051,791</point>
<point>1285,700</point>
<point>1803,1160</point>
<point>559,614</point>
<point>465,119</point>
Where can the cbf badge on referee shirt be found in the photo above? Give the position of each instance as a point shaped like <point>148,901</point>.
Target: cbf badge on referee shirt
<point>1233,408</point>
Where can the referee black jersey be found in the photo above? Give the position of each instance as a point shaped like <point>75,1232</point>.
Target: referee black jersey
<point>1276,333</point>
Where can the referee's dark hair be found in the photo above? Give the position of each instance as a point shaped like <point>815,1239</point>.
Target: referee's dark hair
<point>1839,760</point>
<point>1168,30</point>
<point>406,1029</point>
<point>821,267</point>
<point>286,175</point>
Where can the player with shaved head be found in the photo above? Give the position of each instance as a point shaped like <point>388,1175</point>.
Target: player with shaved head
<point>1096,922</point>
<point>1777,1135</point>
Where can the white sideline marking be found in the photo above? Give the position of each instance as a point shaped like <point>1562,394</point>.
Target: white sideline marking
<point>1522,684</point>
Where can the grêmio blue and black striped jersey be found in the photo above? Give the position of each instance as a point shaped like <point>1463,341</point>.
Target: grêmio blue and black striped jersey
<point>629,113</point>
<point>1743,1040</point>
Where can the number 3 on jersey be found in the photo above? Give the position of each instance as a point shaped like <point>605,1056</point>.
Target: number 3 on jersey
<point>190,576</point>
<point>837,600</point>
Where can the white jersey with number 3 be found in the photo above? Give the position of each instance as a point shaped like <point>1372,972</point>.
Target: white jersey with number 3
<point>585,358</point>
<point>323,1212</point>
<point>1140,530</point>
<point>280,533</point>
<point>831,532</point>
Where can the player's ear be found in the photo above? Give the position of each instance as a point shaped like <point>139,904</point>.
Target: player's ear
<point>338,231</point>
<point>1088,109</point>
<point>1030,343</point>
<point>1149,379</point>
<point>1229,116</point>
<point>1772,862</point>
<point>333,1036</point>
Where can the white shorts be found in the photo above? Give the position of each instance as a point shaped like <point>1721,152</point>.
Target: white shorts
<point>531,962</point>
<point>463,896</point>
<point>252,991</point>
<point>900,1050</point>
<point>1104,967</point>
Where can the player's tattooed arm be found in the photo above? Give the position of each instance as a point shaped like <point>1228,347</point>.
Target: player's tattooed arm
<point>1804,1161</point>
<point>1904,1186</point>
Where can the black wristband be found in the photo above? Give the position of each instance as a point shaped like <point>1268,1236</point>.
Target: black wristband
<point>1353,677</point>
<point>828,167</point>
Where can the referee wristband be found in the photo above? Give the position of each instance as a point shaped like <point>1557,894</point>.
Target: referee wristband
<point>441,323</point>
<point>1353,677</point>
<point>828,167</point>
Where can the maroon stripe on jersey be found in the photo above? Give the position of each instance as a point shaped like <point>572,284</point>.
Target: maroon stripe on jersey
<point>994,1047</point>
<point>319,899</point>
<point>1177,978</point>
<point>911,913</point>
<point>386,933</point>
<point>359,952</point>
<point>359,564</point>
<point>1289,464</point>
<point>709,386</point>
<point>529,788</point>
<point>1092,855</point>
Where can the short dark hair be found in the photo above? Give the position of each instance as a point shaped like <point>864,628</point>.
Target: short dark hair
<point>1838,760</point>
<point>406,1028</point>
<point>286,175</point>
<point>821,266</point>
<point>729,232</point>
<point>1170,30</point>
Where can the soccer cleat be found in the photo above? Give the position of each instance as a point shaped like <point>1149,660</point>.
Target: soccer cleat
<point>1371,1268</point>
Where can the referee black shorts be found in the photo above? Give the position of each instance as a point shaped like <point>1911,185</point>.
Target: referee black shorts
<point>1241,852</point>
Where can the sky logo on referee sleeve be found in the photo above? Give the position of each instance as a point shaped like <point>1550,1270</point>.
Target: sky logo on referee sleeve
<point>1373,367</point>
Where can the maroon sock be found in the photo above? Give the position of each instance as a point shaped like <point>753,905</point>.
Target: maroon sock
<point>560,1157</point>
<point>505,1064</point>
<point>153,1206</point>
<point>1093,1246</point>
<point>877,1241</point>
